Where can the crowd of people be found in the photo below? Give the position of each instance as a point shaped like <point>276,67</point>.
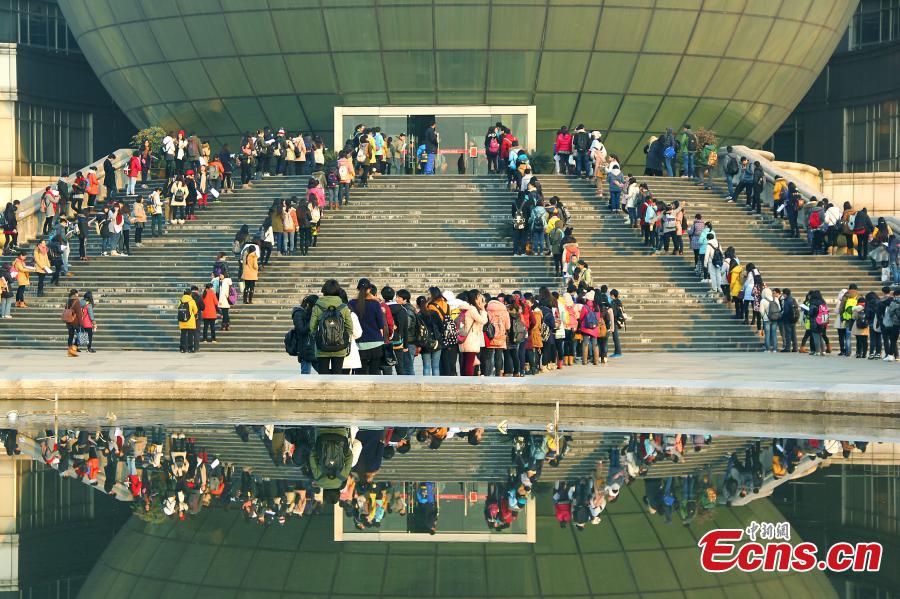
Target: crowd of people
<point>171,475</point>
<point>383,331</point>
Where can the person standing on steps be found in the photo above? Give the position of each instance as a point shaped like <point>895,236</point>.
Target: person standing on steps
<point>375,328</point>
<point>430,137</point>
<point>345,177</point>
<point>770,309</point>
<point>863,228</point>
<point>93,187</point>
<point>563,149</point>
<point>109,178</point>
<point>332,327</point>
<point>72,317</point>
<point>655,156</point>
<point>209,313</point>
<point>88,322</point>
<point>581,144</point>
<point>790,315</point>
<point>225,298</point>
<point>759,183</point>
<point>250,270</point>
<point>687,145</point>
<point>187,321</point>
<point>521,216</point>
<point>730,168</point>
<point>20,270</point>
<point>198,300</point>
<point>745,182</point>
<point>792,205</point>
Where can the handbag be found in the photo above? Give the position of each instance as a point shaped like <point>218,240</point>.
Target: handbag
<point>82,338</point>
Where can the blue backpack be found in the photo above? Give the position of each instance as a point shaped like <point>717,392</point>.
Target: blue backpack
<point>669,152</point>
<point>590,320</point>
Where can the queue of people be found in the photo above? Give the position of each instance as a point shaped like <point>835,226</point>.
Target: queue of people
<point>383,331</point>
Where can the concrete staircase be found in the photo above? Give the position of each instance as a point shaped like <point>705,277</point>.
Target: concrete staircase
<point>449,231</point>
<point>456,460</point>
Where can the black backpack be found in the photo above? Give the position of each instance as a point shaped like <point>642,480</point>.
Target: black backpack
<point>581,141</point>
<point>292,343</point>
<point>412,328</point>
<point>331,335</point>
<point>692,142</point>
<point>331,448</point>
<point>718,259</point>
<point>731,166</point>
<point>490,330</point>
<point>184,312</point>
<point>425,337</point>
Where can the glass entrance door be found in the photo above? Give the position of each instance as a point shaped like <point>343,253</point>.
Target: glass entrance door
<point>462,144</point>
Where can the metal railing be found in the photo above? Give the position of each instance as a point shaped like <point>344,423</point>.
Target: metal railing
<point>30,205</point>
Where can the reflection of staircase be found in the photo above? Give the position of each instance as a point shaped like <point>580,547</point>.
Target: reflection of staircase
<point>456,460</point>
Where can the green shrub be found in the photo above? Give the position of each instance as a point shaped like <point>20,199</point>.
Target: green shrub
<point>542,163</point>
<point>155,135</point>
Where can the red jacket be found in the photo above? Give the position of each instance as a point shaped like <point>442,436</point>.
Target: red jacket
<point>210,301</point>
<point>564,143</point>
<point>508,142</point>
<point>134,166</point>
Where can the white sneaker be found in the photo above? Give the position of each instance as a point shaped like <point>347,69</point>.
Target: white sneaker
<point>115,253</point>
<point>889,358</point>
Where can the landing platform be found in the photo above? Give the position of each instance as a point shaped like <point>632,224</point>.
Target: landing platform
<point>764,394</point>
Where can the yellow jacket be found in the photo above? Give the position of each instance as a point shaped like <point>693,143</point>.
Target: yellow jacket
<point>780,184</point>
<point>192,308</point>
<point>735,283</point>
<point>41,261</point>
<point>251,267</point>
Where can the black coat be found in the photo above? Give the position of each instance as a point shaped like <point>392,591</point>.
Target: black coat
<point>429,137</point>
<point>300,317</point>
<point>109,173</point>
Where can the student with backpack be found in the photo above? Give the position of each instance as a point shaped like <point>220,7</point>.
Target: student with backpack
<point>522,207</point>
<point>491,150</point>
<point>332,328</point>
<point>688,146</point>
<point>187,321</point>
<point>429,338</point>
<point>713,261</point>
<point>345,178</point>
<point>731,168</point>
<point>770,308</point>
<point>330,461</point>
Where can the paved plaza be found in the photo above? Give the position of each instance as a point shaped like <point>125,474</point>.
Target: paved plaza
<point>763,393</point>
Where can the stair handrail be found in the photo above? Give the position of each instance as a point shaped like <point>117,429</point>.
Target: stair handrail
<point>30,205</point>
<point>771,171</point>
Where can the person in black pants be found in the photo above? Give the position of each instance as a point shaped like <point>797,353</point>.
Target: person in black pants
<point>333,299</point>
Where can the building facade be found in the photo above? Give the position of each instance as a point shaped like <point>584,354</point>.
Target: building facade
<point>849,121</point>
<point>54,113</point>
<point>629,69</point>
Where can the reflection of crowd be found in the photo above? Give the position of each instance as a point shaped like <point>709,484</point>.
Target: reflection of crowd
<point>174,476</point>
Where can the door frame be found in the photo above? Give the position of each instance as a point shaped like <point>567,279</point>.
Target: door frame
<point>437,111</point>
